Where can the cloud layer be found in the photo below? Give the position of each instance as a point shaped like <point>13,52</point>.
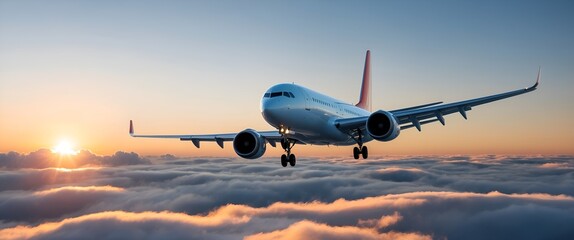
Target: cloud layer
<point>126,196</point>
<point>45,158</point>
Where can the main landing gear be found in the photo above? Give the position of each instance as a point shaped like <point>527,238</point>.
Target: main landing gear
<point>288,158</point>
<point>361,150</point>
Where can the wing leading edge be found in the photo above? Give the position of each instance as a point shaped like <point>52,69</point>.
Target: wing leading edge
<point>428,113</point>
<point>220,138</point>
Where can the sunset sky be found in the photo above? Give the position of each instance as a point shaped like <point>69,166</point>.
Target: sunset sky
<point>80,70</point>
<point>73,74</point>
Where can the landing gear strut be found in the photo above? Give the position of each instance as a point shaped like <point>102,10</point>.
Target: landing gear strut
<point>361,150</point>
<point>288,158</point>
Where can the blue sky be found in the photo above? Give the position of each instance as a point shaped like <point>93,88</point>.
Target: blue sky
<point>83,64</point>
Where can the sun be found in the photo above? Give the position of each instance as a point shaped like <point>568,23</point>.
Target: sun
<point>65,147</point>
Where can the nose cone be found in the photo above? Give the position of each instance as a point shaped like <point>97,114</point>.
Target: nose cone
<point>270,109</point>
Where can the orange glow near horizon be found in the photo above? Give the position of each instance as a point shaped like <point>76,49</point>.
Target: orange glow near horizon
<point>500,128</point>
<point>458,137</point>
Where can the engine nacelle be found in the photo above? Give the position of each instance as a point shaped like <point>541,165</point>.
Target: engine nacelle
<point>249,144</point>
<point>383,126</point>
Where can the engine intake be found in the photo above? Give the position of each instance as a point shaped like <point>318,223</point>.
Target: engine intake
<point>249,144</point>
<point>383,126</point>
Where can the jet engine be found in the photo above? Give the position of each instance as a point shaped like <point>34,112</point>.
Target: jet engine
<point>383,126</point>
<point>249,144</point>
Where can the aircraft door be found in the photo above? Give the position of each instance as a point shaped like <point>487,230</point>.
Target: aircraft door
<point>307,100</point>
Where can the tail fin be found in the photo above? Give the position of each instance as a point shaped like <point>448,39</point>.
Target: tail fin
<point>365,99</point>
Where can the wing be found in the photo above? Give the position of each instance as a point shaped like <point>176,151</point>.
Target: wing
<point>270,136</point>
<point>432,112</point>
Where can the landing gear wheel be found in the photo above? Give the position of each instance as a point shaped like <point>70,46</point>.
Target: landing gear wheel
<point>292,160</point>
<point>283,160</point>
<point>356,152</point>
<point>365,152</point>
<point>287,144</point>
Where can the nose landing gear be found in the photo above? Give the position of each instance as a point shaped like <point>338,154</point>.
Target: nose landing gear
<point>286,144</point>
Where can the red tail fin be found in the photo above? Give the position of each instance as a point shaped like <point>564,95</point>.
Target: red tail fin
<point>365,99</point>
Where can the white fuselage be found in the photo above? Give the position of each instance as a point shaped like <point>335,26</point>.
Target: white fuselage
<point>308,115</point>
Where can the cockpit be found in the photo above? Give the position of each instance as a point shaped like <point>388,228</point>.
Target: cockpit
<point>278,94</point>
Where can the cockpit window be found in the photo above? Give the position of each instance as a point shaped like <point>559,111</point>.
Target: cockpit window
<point>278,94</point>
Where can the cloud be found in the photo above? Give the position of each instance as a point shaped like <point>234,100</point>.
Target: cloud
<point>556,165</point>
<point>341,219</point>
<point>440,196</point>
<point>30,179</point>
<point>52,203</point>
<point>68,189</point>
<point>311,230</point>
<point>168,157</point>
<point>383,222</point>
<point>119,224</point>
<point>398,174</point>
<point>45,158</point>
<point>123,158</point>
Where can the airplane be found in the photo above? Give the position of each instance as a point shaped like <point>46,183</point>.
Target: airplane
<point>303,116</point>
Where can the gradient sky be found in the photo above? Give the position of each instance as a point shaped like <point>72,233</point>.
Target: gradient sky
<point>80,70</point>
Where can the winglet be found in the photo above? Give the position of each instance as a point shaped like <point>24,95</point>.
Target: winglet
<point>533,87</point>
<point>365,99</point>
<point>131,128</point>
